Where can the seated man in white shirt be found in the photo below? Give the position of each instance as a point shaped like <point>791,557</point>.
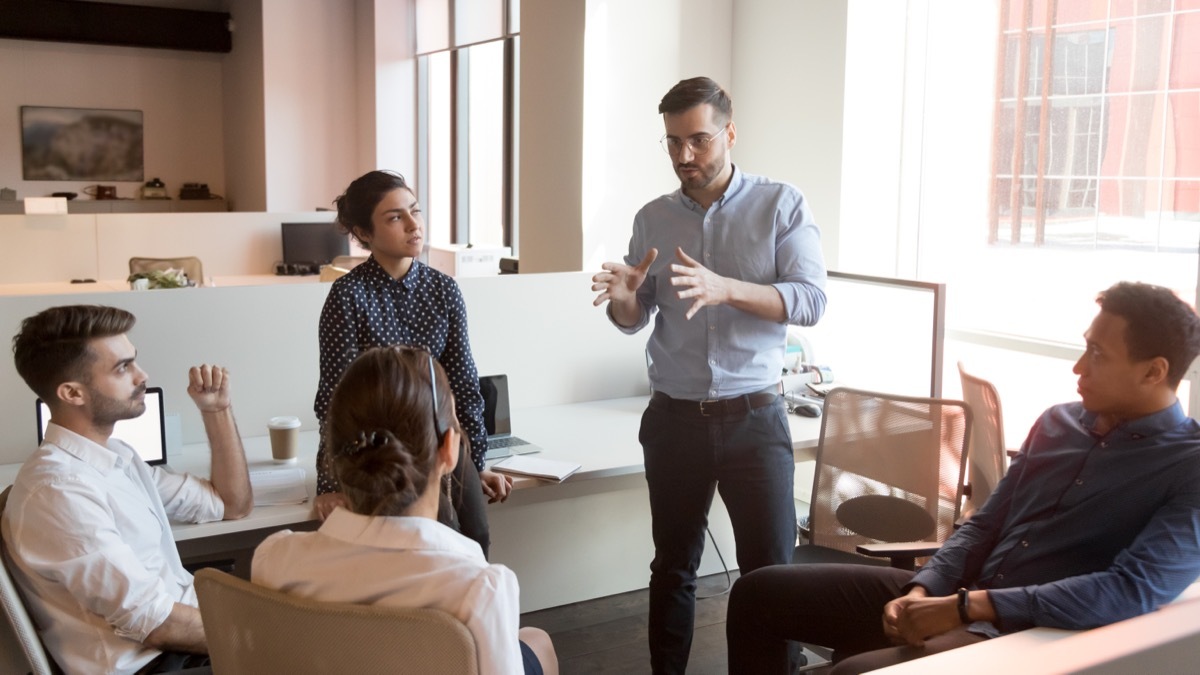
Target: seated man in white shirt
<point>87,520</point>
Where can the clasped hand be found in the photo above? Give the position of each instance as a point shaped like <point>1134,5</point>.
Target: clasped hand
<point>914,618</point>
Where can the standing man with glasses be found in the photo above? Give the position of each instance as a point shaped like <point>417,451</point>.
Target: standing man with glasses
<point>742,261</point>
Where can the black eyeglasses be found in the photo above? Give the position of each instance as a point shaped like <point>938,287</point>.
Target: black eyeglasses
<point>437,423</point>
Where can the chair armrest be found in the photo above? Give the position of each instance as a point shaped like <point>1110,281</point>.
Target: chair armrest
<point>902,554</point>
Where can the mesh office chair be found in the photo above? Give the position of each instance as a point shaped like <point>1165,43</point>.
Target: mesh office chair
<point>253,629</point>
<point>190,265</point>
<point>22,631</point>
<point>888,480</point>
<point>987,460</point>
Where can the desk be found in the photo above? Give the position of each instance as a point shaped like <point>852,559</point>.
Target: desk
<point>601,511</point>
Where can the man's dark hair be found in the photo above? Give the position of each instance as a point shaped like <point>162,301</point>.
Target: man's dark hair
<point>1159,324</point>
<point>697,91</point>
<point>52,346</point>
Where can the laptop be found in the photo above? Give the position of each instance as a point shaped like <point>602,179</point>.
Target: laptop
<point>498,419</point>
<point>146,434</point>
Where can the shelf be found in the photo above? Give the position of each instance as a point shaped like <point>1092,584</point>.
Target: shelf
<point>130,206</point>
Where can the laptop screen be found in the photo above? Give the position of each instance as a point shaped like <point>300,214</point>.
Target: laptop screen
<point>145,434</point>
<point>496,416</point>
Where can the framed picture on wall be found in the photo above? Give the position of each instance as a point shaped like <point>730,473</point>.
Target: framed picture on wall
<point>80,144</point>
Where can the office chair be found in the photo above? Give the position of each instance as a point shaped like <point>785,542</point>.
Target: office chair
<point>987,460</point>
<point>254,629</point>
<point>22,630</point>
<point>889,478</point>
<point>190,265</point>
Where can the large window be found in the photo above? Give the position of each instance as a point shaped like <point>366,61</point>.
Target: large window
<point>1096,140</point>
<point>1056,153</point>
<point>467,71</point>
<point>1045,150</point>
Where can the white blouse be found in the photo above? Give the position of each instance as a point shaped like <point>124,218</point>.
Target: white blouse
<point>400,562</point>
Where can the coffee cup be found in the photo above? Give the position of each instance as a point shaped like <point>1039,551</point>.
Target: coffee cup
<point>285,437</point>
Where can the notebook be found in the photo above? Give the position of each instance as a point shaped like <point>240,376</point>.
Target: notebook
<point>146,434</point>
<point>498,419</point>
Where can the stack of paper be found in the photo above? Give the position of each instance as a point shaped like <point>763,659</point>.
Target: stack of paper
<point>538,467</point>
<point>273,487</point>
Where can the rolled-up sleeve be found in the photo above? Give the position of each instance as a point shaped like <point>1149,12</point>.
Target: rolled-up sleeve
<point>646,293</point>
<point>800,265</point>
<point>81,548</point>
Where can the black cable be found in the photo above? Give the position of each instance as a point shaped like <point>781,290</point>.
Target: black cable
<point>728,580</point>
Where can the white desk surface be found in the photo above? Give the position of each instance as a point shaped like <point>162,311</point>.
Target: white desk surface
<point>116,285</point>
<point>599,435</point>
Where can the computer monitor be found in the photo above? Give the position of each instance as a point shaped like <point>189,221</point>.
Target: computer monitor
<point>145,434</point>
<point>882,334</point>
<point>313,243</point>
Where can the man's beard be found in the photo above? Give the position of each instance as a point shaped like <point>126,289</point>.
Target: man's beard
<point>704,176</point>
<point>108,411</point>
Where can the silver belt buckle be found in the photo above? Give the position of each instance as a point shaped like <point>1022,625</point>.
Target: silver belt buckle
<point>711,401</point>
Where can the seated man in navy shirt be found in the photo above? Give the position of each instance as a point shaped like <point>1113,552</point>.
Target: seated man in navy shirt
<point>1097,520</point>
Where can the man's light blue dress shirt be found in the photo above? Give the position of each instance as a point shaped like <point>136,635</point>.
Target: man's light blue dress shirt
<point>760,231</point>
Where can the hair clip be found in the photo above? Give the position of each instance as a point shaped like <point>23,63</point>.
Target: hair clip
<point>375,439</point>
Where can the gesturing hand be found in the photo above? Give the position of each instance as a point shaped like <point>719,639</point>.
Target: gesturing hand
<point>619,282</point>
<point>209,387</point>
<point>699,282</point>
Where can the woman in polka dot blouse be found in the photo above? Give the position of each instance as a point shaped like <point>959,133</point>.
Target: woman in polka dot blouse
<point>394,299</point>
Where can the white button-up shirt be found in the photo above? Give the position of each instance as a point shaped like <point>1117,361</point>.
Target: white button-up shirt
<point>87,529</point>
<point>400,562</point>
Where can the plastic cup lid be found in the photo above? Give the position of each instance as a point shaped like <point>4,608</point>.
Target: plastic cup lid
<point>284,422</point>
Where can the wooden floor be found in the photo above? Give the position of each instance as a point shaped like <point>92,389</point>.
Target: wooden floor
<point>608,635</point>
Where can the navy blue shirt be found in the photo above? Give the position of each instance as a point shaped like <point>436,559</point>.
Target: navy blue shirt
<point>368,308</point>
<point>1084,530</point>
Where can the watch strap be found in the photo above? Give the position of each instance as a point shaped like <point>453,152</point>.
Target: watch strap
<point>964,604</point>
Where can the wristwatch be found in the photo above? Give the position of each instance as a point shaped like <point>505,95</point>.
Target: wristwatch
<point>964,604</point>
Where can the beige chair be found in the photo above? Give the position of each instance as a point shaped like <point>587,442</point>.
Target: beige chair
<point>888,480</point>
<point>190,265</point>
<point>987,460</point>
<point>21,630</point>
<point>253,629</point>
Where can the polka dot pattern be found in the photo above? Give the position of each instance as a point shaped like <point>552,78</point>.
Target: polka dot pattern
<point>368,308</point>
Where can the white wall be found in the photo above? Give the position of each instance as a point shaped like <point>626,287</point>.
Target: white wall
<point>789,60</point>
<point>388,88</point>
<point>551,129</point>
<point>635,52</point>
<point>179,94</point>
<point>245,118</point>
<point>310,101</point>
<point>99,246</point>
<point>874,114</point>
<point>555,347</point>
<point>592,74</point>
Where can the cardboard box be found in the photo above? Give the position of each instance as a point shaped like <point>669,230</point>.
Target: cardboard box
<point>458,260</point>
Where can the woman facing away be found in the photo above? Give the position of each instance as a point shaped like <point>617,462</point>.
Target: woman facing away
<point>393,299</point>
<point>393,440</point>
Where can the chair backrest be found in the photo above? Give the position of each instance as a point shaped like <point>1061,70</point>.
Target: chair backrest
<point>190,265</point>
<point>20,626</point>
<point>987,460</point>
<point>253,629</point>
<point>889,469</point>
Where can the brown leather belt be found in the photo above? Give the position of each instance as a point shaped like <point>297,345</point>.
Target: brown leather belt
<point>738,405</point>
